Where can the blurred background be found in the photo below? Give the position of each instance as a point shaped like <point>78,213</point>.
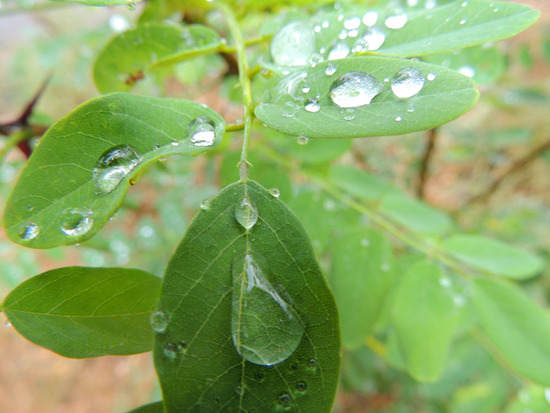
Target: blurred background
<point>490,169</point>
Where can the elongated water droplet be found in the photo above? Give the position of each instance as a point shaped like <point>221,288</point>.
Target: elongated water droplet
<point>396,22</point>
<point>293,45</point>
<point>339,51</point>
<point>370,18</point>
<point>76,221</point>
<point>266,329</point>
<point>113,166</point>
<point>355,89</point>
<point>202,131</point>
<point>28,231</point>
<point>158,321</point>
<point>407,82</point>
<point>246,212</point>
<point>330,69</point>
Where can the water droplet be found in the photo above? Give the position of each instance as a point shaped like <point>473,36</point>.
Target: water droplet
<point>306,89</point>
<point>445,282</point>
<point>274,192</point>
<point>28,231</point>
<point>313,105</point>
<point>293,44</point>
<point>158,321</point>
<point>205,204</point>
<point>202,131</point>
<point>410,108</point>
<point>76,221</point>
<point>113,166</point>
<point>396,22</point>
<point>459,300</point>
<point>289,109</point>
<point>463,21</point>
<point>353,33</point>
<point>312,364</point>
<point>170,350</point>
<point>131,5</point>
<point>339,51</point>
<point>547,394</point>
<point>352,23</point>
<point>285,400</point>
<point>246,212</point>
<point>349,114</point>
<point>315,59</point>
<point>266,329</point>
<point>302,140</point>
<point>325,24</point>
<point>412,3</point>
<point>354,89</point>
<point>301,387</point>
<point>317,28</point>
<point>330,69</point>
<point>372,40</point>
<point>398,119</point>
<point>430,4</point>
<point>29,208</point>
<point>407,82</point>
<point>370,18</point>
<point>467,71</point>
<point>464,3</point>
<point>431,76</point>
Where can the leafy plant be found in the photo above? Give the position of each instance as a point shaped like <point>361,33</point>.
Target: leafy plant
<point>244,320</point>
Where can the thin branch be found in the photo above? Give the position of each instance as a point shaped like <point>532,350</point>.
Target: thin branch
<point>431,138</point>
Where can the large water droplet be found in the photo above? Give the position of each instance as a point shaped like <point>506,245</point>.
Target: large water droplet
<point>293,45</point>
<point>352,22</point>
<point>113,166</point>
<point>266,329</point>
<point>246,212</point>
<point>407,82</point>
<point>396,22</point>
<point>370,18</point>
<point>372,40</point>
<point>76,221</point>
<point>28,231</point>
<point>339,51</point>
<point>355,89</point>
<point>202,131</point>
<point>158,321</point>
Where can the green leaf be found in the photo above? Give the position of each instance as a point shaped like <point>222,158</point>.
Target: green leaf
<point>130,4</point>
<point>131,55</point>
<point>416,215</point>
<point>155,407</point>
<point>360,277</point>
<point>338,105</point>
<point>65,194</point>
<point>196,356</point>
<point>517,327</point>
<point>84,312</point>
<point>424,318</point>
<point>531,399</point>
<point>362,185</point>
<point>493,256</point>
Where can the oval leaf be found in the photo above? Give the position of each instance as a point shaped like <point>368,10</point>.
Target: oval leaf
<point>65,194</point>
<point>350,98</point>
<point>129,56</point>
<point>517,327</point>
<point>199,355</point>
<point>493,256</point>
<point>84,312</point>
<point>424,318</point>
<point>360,277</point>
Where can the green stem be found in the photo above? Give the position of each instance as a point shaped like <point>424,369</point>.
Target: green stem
<point>14,139</point>
<point>244,81</point>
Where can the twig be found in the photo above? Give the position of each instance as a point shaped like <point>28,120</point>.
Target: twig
<point>426,160</point>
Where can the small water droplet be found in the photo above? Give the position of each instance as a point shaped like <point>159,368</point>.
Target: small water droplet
<point>202,131</point>
<point>349,114</point>
<point>396,22</point>
<point>274,192</point>
<point>306,89</point>
<point>312,364</point>
<point>289,109</point>
<point>547,394</point>
<point>463,21</point>
<point>464,3</point>
<point>315,59</point>
<point>407,82</point>
<point>467,71</point>
<point>352,22</point>
<point>170,350</point>
<point>205,204</point>
<point>312,105</point>
<point>285,400</point>
<point>372,40</point>
<point>301,387</point>
<point>246,212</point>
<point>76,221</point>
<point>370,18</point>
<point>340,50</point>
<point>445,282</point>
<point>239,390</point>
<point>158,321</point>
<point>330,69</point>
<point>325,24</point>
<point>431,76</point>
<point>398,119</point>
<point>430,4</point>
<point>459,300</point>
<point>29,208</point>
<point>410,108</point>
<point>317,28</point>
<point>302,140</point>
<point>113,166</point>
<point>354,89</point>
<point>28,231</point>
<point>293,44</point>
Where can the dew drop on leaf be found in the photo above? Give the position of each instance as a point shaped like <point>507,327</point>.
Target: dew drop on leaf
<point>246,212</point>
<point>339,51</point>
<point>467,71</point>
<point>370,18</point>
<point>407,82</point>
<point>330,69</point>
<point>349,114</point>
<point>76,221</point>
<point>396,22</point>
<point>431,76</point>
<point>312,105</point>
<point>352,22</point>
<point>266,329</point>
<point>372,40</point>
<point>205,204</point>
<point>285,400</point>
<point>354,89</point>
<point>274,192</point>
<point>293,44</point>
<point>398,119</point>
<point>28,231</point>
<point>202,131</point>
<point>158,321</point>
<point>113,166</point>
<point>170,350</point>
<point>302,140</point>
<point>301,387</point>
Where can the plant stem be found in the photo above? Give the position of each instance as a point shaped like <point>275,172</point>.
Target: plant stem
<point>426,160</point>
<point>244,81</point>
<point>18,136</point>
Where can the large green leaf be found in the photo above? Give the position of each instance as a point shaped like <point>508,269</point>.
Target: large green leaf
<point>129,3</point>
<point>84,312</point>
<point>517,327</point>
<point>493,256</point>
<point>78,175</point>
<point>360,277</point>
<point>424,318</point>
<point>244,259</point>
<point>131,55</point>
<point>333,99</point>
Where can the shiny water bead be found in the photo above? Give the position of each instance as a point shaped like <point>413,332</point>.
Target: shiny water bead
<point>355,89</point>
<point>202,132</point>
<point>407,82</point>
<point>113,166</point>
<point>76,221</point>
